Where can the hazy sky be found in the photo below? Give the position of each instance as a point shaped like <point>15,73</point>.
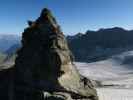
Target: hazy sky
<point>73,15</point>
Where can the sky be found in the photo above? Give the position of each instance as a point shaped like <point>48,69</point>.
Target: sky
<point>72,15</point>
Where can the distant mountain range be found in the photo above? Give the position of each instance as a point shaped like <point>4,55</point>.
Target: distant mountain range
<point>7,40</point>
<point>8,46</point>
<point>86,47</point>
<point>99,45</point>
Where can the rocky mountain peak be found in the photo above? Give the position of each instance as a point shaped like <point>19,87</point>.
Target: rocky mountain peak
<point>46,13</point>
<point>44,68</point>
<point>46,18</point>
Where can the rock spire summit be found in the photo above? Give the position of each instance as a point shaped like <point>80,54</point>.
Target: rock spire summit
<point>44,65</point>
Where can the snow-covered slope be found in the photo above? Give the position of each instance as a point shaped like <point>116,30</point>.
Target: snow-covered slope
<point>115,94</point>
<point>117,71</point>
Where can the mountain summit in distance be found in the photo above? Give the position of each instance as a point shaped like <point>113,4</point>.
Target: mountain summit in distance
<point>96,45</point>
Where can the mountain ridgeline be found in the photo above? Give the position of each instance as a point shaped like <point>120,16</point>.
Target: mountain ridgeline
<point>101,44</point>
<point>88,47</point>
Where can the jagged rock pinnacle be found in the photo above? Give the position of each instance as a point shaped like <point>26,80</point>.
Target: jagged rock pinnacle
<point>45,63</point>
<point>45,12</point>
<point>46,17</point>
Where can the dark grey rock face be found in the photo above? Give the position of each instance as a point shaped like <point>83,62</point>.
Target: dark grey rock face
<point>101,44</point>
<point>44,68</point>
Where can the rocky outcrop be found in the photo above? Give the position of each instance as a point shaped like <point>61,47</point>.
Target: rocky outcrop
<point>44,68</point>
